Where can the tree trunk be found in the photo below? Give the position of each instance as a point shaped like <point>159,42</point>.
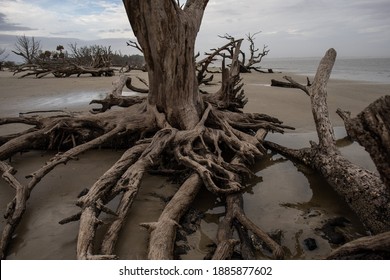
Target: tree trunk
<point>173,85</point>
<point>175,127</point>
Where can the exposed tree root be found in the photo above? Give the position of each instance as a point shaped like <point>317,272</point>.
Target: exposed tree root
<point>15,208</point>
<point>198,149</point>
<point>216,148</point>
<point>377,244</point>
<point>226,242</point>
<point>115,97</point>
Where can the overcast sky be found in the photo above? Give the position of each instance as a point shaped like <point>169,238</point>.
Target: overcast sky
<point>290,28</point>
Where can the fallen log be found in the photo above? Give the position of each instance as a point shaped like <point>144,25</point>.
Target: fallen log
<point>62,70</point>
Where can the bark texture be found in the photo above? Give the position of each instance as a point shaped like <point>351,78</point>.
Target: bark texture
<point>173,126</point>
<point>371,128</point>
<point>363,190</point>
<point>168,42</point>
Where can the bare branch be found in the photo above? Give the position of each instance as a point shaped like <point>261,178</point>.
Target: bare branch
<point>135,45</point>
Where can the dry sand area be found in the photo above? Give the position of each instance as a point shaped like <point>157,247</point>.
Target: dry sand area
<point>290,198</point>
<point>289,105</point>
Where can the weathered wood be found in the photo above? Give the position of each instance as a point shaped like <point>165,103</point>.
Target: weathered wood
<point>163,232</point>
<point>170,59</point>
<point>291,84</point>
<point>22,192</point>
<point>61,70</point>
<point>202,66</point>
<point>369,244</point>
<point>276,83</point>
<point>130,184</point>
<point>371,128</point>
<point>225,240</point>
<point>363,190</point>
<point>115,97</point>
<point>15,208</point>
<point>174,126</point>
<point>102,190</point>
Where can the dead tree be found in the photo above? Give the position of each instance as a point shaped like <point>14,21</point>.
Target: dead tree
<point>363,190</point>
<point>133,66</point>
<point>255,57</point>
<point>255,54</point>
<point>173,126</point>
<point>3,57</point>
<point>27,48</point>
<point>135,45</point>
<point>93,60</point>
<point>203,66</point>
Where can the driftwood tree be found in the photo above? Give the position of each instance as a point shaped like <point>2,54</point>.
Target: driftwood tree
<point>175,126</point>
<point>255,54</point>
<point>366,193</point>
<point>227,52</point>
<point>27,48</point>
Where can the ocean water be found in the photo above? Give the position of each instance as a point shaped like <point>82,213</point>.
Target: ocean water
<point>356,69</point>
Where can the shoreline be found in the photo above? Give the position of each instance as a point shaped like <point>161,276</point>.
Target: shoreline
<point>291,106</point>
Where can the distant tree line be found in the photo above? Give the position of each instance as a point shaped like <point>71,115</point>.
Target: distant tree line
<point>73,60</point>
<point>3,62</point>
<point>31,52</point>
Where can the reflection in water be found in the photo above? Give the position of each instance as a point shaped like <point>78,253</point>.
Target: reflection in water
<point>288,198</point>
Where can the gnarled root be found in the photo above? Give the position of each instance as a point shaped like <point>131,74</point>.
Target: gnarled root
<point>163,232</point>
<point>376,244</point>
<point>206,149</point>
<point>225,241</point>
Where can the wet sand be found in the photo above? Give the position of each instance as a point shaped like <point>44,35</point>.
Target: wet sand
<point>289,198</point>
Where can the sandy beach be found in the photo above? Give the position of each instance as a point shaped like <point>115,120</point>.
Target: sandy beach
<point>299,200</point>
<point>291,106</point>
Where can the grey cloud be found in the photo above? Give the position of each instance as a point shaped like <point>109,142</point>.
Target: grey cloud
<point>6,26</point>
<point>115,30</point>
<point>63,33</point>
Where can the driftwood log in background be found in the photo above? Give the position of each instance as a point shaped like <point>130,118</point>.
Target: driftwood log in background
<point>62,70</point>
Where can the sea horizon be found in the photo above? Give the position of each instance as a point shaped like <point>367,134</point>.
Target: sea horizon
<point>364,69</point>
